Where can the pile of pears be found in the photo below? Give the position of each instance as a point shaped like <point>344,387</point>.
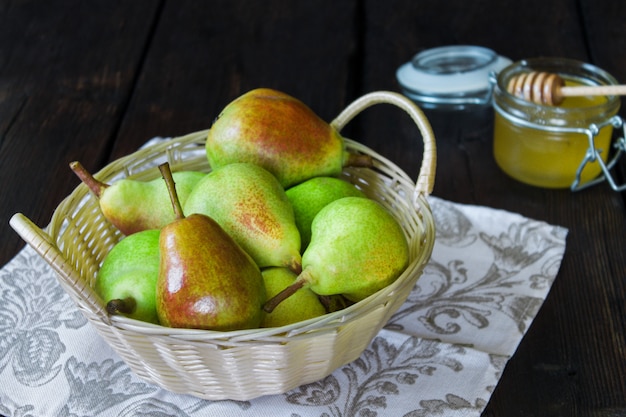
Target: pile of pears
<point>268,237</point>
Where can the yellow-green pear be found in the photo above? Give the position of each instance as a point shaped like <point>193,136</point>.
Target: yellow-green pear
<point>126,280</point>
<point>132,205</point>
<point>301,306</point>
<point>310,196</point>
<point>252,207</point>
<point>280,133</point>
<point>357,248</point>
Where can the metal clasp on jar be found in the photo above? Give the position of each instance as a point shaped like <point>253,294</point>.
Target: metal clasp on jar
<point>593,155</point>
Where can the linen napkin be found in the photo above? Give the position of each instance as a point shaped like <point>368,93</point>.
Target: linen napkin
<point>441,353</point>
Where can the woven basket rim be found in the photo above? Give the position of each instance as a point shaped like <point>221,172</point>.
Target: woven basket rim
<point>173,148</point>
<point>333,319</point>
<point>246,364</point>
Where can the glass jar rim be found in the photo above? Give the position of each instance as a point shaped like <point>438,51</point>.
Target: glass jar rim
<point>455,59</point>
<point>567,68</point>
<point>450,76</point>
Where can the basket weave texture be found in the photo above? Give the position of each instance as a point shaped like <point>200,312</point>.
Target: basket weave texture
<point>238,365</point>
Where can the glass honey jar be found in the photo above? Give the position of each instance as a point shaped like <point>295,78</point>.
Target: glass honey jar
<point>554,146</point>
<point>453,77</point>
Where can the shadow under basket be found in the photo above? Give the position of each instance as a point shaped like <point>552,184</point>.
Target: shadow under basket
<point>238,365</point>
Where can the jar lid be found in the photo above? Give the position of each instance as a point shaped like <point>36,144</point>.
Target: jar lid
<point>453,77</point>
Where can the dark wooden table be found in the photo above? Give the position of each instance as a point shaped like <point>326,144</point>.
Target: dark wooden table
<point>93,80</point>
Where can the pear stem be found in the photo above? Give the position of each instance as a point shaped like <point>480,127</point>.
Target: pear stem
<point>119,305</point>
<point>96,186</point>
<point>326,302</point>
<point>166,172</point>
<point>359,160</point>
<point>273,302</point>
<point>295,266</point>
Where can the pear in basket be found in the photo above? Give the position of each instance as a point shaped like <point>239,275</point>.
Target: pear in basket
<point>281,134</point>
<point>132,205</point>
<point>126,281</point>
<point>357,248</point>
<point>206,280</point>
<point>310,196</point>
<point>303,305</point>
<point>251,206</point>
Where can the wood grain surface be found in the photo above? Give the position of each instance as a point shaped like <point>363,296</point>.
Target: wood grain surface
<point>93,80</point>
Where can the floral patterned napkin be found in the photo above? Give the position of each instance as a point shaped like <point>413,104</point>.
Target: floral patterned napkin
<point>442,353</point>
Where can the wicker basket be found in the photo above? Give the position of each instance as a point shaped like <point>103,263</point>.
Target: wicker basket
<point>238,365</point>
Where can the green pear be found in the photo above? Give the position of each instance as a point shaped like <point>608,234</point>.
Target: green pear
<point>301,306</point>
<point>206,280</point>
<point>126,280</point>
<point>357,248</point>
<point>310,196</point>
<point>280,133</point>
<point>252,207</point>
<point>132,205</point>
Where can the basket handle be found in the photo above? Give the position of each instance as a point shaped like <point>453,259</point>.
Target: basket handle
<point>43,244</point>
<point>426,176</point>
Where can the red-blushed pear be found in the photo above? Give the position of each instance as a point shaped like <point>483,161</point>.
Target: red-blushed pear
<point>206,280</point>
<point>132,205</point>
<point>357,248</point>
<point>280,133</point>
<point>251,206</point>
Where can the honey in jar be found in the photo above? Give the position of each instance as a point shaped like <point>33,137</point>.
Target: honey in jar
<point>545,145</point>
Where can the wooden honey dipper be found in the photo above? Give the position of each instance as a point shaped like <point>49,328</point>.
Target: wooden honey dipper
<point>550,89</point>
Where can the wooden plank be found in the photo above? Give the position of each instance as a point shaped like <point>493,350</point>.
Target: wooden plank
<point>604,25</point>
<point>606,34</point>
<point>66,71</point>
<point>583,301</point>
<point>202,58</point>
<point>93,81</point>
<point>396,30</point>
